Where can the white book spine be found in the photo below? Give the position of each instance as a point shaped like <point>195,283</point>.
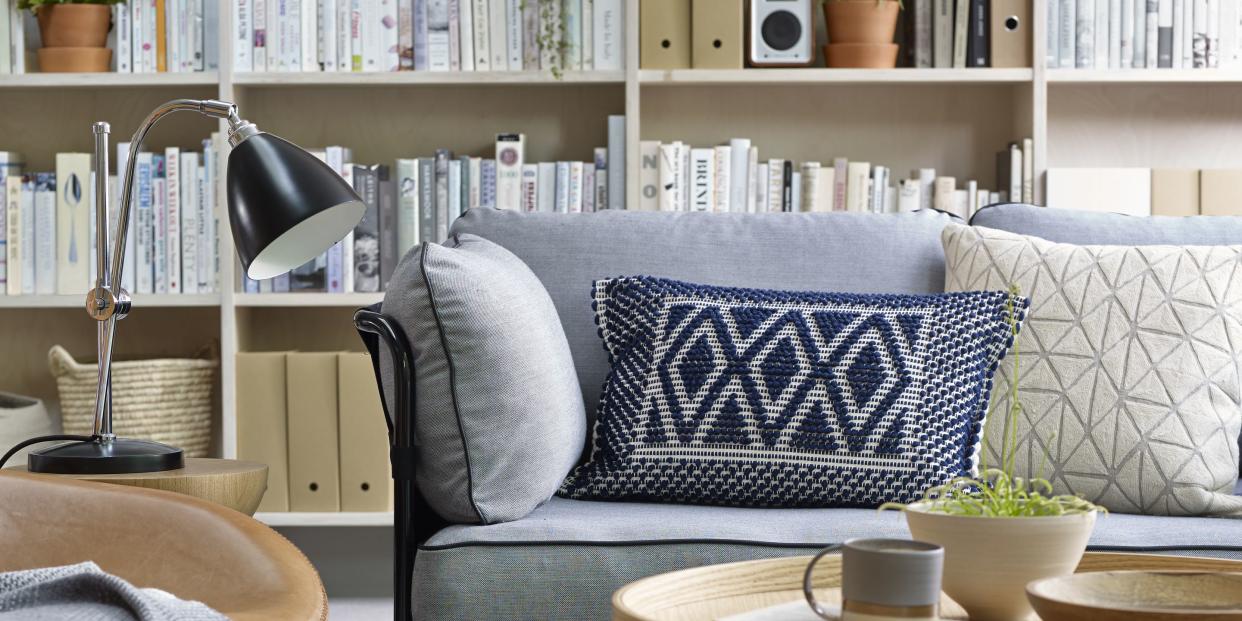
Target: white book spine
<point>961,27</point>
<point>207,218</point>
<point>388,54</point>
<point>1138,13</point>
<point>159,248</point>
<point>1084,47</point>
<point>197,45</point>
<point>243,36</point>
<point>1179,31</point>
<point>482,35</point>
<point>561,197</point>
<point>1114,35</point>
<point>550,24</point>
<point>1199,36</point>
<point>942,194</point>
<point>1067,33</point>
<point>346,29</point>
<point>856,191</point>
<point>1028,170</point>
<point>810,187</point>
<point>670,161</point>
<point>1015,172</point>
<point>454,189</point>
<point>1125,38</point>
<point>73,216</point>
<point>609,39</point>
<point>373,36</point>
<point>739,175</point>
<point>702,179</point>
<point>27,239</point>
<point>649,175</point>
<point>124,39</point>
<point>546,192</point>
<point>761,187</point>
<point>571,25</point>
<point>497,15</point>
<point>588,187</point>
<point>476,182</point>
<point>1158,11</point>
<point>1102,38</point>
<point>7,13</point>
<point>172,218</point>
<point>923,34</point>
<point>587,22</point>
<point>1213,34</point>
<point>188,219</point>
<point>12,223</point>
<point>1188,33</point>
<point>927,178</point>
<point>258,41</point>
<point>752,178</point>
<point>510,155</point>
<point>328,36</point>
<point>514,34</point>
<point>972,197</point>
<point>45,234</point>
<point>795,191</point>
<point>573,199</point>
<point>840,169</point>
<point>722,167</point>
<point>601,178</point>
<point>776,187</point>
<point>467,49</point>
<point>1052,30</point>
<point>616,162</point>
<point>824,188</point>
<point>908,198</point>
<point>530,187</point>
<point>17,41</point>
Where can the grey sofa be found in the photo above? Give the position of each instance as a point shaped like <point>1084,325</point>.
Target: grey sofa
<point>564,560</point>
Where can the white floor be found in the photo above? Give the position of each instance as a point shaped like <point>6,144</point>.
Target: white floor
<point>359,609</point>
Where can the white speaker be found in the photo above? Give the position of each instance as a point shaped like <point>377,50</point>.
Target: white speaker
<point>782,33</point>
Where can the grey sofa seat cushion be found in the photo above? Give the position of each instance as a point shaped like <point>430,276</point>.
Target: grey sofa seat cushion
<point>499,418</point>
<point>565,559</point>
<point>805,252</point>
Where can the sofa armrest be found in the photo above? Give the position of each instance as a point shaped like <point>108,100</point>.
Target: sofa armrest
<point>194,549</point>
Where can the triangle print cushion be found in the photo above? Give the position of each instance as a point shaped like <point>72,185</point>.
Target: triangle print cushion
<point>1129,367</point>
<point>758,398</point>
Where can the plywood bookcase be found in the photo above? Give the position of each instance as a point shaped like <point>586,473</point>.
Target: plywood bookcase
<point>953,120</point>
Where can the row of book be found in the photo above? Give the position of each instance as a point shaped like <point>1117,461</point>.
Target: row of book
<point>732,178</point>
<point>48,241</point>
<point>1147,191</point>
<point>946,34</point>
<point>147,36</point>
<point>329,456</point>
<point>1124,34</point>
<point>417,199</point>
<point>427,35</point>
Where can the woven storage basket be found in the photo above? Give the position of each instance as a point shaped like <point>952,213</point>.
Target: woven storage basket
<point>165,400</point>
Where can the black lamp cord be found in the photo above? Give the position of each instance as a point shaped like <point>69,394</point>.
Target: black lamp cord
<point>24,443</point>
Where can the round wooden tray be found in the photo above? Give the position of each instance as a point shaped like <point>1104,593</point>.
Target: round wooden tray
<point>713,591</point>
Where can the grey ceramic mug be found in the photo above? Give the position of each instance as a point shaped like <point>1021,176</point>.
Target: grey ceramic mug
<point>883,578</point>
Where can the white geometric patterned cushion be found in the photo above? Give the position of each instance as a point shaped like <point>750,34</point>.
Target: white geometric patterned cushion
<point>761,398</point>
<point>1130,365</point>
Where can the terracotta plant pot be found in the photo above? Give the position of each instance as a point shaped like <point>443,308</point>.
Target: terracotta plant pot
<point>74,25</point>
<point>989,561</point>
<point>861,55</point>
<point>74,59</point>
<point>861,21</point>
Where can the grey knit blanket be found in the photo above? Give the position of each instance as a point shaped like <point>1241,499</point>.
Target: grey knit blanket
<point>85,592</point>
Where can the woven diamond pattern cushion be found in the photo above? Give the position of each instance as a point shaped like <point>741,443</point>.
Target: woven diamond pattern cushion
<point>1129,376</point>
<point>760,398</point>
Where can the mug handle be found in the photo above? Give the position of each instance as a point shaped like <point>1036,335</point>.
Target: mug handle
<point>806,582</point>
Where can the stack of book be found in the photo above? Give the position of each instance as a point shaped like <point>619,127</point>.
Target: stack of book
<point>427,35</point>
<point>1124,34</point>
<point>945,34</point>
<point>417,199</point>
<point>48,240</point>
<point>732,178</point>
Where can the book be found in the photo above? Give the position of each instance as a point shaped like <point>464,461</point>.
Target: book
<point>386,197</point>
<point>1175,192</point>
<point>366,233</point>
<point>561,176</point>
<point>546,191</point>
<point>1102,33</point>
<point>188,219</point>
<point>588,187</point>
<point>531,54</point>
<point>574,193</point>
<point>16,252</point>
<point>481,22</point>
<point>422,32</point>
<point>172,219</point>
<point>1084,46</point>
<point>961,31</point>
<point>1052,32</point>
<point>1165,45</point>
<point>27,238</point>
<point>571,33</point>
<point>1218,192</point>
<point>1117,190</point>
<point>616,158</point>
<point>922,22</point>
<point>262,428</point>
<point>739,175</point>
<point>775,193</point>
<point>649,175</point>
<point>443,214</point>
<point>363,436</point>
<point>453,187</point>
<point>702,179</point>
<point>909,195</point>
<point>1028,170</point>
<point>942,194</point>
<point>314,457</point>
<point>601,178</point>
<point>857,174</point>
<point>978,53</point>
<point>1067,32</point>
<point>515,35</point>
<point>510,155</point>
<point>466,48</point>
<point>752,178</point>
<point>826,184</point>
<point>530,187</point>
<point>73,215</point>
<point>437,36</point>
<point>428,231</point>
<point>487,183</point>
<point>840,167</point>
<point>609,39</point>
<point>45,233</point>
<point>1016,168</point>
<point>407,206</point>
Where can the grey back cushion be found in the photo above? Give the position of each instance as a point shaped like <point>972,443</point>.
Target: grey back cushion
<point>1070,226</point>
<point>839,252</point>
<point>499,420</point>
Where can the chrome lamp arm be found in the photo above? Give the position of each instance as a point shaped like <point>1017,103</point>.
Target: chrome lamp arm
<point>107,301</point>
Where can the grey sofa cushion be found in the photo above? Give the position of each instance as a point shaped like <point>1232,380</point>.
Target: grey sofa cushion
<point>804,252</point>
<point>1071,226</point>
<point>499,418</point>
<point>565,559</point>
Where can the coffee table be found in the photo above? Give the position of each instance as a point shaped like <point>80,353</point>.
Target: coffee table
<point>715,591</point>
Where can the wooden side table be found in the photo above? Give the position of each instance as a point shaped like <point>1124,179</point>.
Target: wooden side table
<point>236,484</point>
<point>715,591</point>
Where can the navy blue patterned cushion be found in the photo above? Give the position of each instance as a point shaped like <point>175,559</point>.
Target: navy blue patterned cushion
<point>761,398</point>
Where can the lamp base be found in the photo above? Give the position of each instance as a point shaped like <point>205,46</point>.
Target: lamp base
<point>120,456</point>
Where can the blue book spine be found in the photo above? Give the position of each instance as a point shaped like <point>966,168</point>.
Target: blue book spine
<point>487,184</point>
<point>280,284</point>
<point>420,34</point>
<point>145,276</point>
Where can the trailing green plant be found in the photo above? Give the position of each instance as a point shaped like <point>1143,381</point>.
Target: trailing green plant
<point>997,492</point>
<point>34,5</point>
<point>551,37</point>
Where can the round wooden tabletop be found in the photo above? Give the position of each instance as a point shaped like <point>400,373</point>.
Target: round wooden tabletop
<point>233,483</point>
<point>714,591</point>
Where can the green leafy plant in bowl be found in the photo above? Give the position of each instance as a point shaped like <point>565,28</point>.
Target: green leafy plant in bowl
<point>1001,531</point>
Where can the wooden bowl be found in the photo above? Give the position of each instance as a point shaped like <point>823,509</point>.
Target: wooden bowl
<point>1139,596</point>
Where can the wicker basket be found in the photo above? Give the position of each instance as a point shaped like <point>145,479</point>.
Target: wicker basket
<point>164,400</point>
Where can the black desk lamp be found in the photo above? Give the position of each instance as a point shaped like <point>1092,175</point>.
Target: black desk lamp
<point>285,207</point>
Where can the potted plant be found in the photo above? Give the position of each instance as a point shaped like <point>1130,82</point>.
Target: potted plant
<point>860,33</point>
<point>74,33</point>
<point>1000,531</point>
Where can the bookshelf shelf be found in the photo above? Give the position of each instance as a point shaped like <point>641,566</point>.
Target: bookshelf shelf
<point>79,301</point>
<point>424,78</point>
<point>353,300</point>
<point>377,518</point>
<point>1144,76</point>
<point>108,80</point>
<point>710,77</point>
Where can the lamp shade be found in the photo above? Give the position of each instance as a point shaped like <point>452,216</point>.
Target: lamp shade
<point>286,207</point>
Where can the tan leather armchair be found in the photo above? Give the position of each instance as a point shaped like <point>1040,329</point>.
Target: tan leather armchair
<point>191,548</point>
